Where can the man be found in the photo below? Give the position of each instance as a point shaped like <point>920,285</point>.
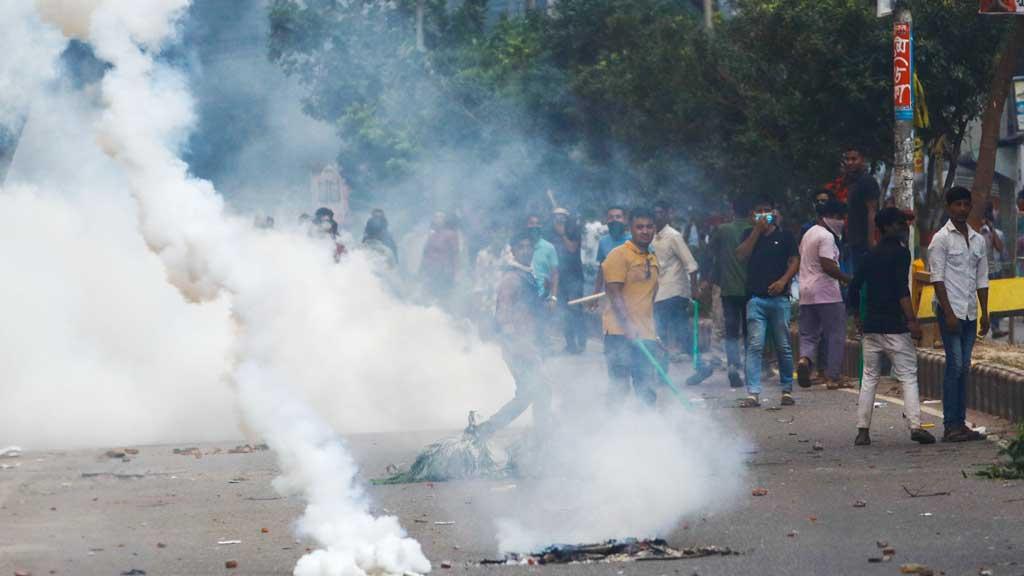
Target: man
<point>385,235</point>
<point>771,256</point>
<point>565,235</point>
<point>822,312</point>
<point>889,323</point>
<point>820,198</point>
<point>631,274</point>
<point>678,274</point>
<point>544,262</point>
<point>958,264</point>
<point>730,274</point>
<point>860,191</point>
<point>440,263</point>
<point>618,234</point>
<point>517,308</point>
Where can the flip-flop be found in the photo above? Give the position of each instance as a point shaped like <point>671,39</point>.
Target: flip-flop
<point>749,402</point>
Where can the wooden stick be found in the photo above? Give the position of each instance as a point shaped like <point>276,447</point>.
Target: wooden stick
<point>586,299</point>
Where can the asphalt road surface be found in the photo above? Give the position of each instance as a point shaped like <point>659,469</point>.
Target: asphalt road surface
<point>81,512</point>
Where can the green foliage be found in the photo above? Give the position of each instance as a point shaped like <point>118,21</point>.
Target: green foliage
<point>612,98</point>
<point>1012,466</point>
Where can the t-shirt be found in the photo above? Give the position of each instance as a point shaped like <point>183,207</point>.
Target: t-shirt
<point>730,273</point>
<point>545,259</point>
<point>516,306</point>
<point>817,287</point>
<point>884,275</point>
<point>605,244</point>
<point>570,264</point>
<point>768,261</point>
<point>638,271</point>
<point>863,189</point>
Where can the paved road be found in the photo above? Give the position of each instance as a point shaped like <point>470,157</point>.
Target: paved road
<point>164,513</point>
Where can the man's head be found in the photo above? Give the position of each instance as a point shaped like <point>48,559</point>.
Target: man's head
<point>821,197</point>
<point>853,161</point>
<point>641,226</point>
<point>662,214</point>
<point>958,204</point>
<point>522,248</point>
<point>615,218</point>
<point>375,227</point>
<point>438,221</point>
<point>559,216</point>
<point>893,223</point>
<point>763,209</point>
<point>832,215</point>
<point>534,227</point>
<point>323,213</point>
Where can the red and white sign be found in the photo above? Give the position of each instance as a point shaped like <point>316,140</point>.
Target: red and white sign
<point>902,70</point>
<point>1001,7</point>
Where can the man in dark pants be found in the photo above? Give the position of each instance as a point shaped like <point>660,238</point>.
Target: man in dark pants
<point>516,311</point>
<point>859,189</point>
<point>673,309</point>
<point>631,280</point>
<point>958,262</point>
<point>730,274</point>
<point>565,235</point>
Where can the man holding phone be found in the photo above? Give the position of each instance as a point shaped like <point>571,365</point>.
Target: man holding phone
<point>772,260</point>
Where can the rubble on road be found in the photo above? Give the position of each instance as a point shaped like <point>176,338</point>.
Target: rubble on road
<point>630,550</point>
<point>10,452</point>
<point>759,492</point>
<point>919,569</point>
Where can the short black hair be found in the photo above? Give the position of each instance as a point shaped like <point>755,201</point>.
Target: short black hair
<point>763,201</point>
<point>638,213</point>
<point>323,212</point>
<point>890,215</point>
<point>519,237</point>
<point>616,207</point>
<point>831,207</point>
<point>956,194</point>
<point>824,191</point>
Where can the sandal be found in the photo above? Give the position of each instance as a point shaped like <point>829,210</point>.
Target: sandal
<point>787,399</point>
<point>751,401</point>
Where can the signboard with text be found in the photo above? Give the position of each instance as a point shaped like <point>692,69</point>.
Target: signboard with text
<point>902,70</point>
<point>1001,7</point>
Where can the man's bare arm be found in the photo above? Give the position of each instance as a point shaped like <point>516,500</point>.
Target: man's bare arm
<point>831,267</point>
<point>872,207</point>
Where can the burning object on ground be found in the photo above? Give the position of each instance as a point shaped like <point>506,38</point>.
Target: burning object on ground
<point>629,550</point>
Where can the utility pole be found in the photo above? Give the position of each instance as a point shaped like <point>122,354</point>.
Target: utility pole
<point>709,13</point>
<point>420,44</point>
<point>903,103</point>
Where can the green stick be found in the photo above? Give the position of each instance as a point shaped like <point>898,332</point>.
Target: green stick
<point>696,335</point>
<point>663,374</point>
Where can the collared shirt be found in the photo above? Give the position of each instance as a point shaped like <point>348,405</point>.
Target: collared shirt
<point>637,270</point>
<point>816,286</point>
<point>545,259</point>
<point>605,245</point>
<point>769,261</point>
<point>962,266</point>
<point>676,264</point>
<point>884,276</point>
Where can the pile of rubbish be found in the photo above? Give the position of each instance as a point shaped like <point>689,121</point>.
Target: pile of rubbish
<point>629,550</point>
<point>459,458</point>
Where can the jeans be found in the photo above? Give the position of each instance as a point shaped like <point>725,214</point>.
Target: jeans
<point>575,330</point>
<point>958,347</point>
<point>627,364</point>
<point>824,322</point>
<point>532,387</point>
<point>768,315</point>
<point>903,355</point>
<point>673,318</point>
<point>734,312</point>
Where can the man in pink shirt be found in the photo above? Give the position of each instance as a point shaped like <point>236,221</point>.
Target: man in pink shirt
<point>822,312</point>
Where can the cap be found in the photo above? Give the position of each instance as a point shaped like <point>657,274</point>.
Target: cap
<point>560,212</point>
<point>891,215</point>
<point>831,206</point>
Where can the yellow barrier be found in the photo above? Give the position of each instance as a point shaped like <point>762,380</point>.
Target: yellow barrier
<point>1004,296</point>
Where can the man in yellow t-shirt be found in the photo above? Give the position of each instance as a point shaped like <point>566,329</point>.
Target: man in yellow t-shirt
<point>631,280</point>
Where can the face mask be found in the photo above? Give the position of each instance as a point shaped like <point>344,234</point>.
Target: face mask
<point>534,233</point>
<point>835,225</point>
<point>616,229</point>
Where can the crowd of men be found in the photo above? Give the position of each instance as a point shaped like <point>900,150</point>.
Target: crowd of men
<point>850,261</point>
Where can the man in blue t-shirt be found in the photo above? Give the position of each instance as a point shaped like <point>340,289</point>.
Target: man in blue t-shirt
<point>618,234</point>
<point>545,261</point>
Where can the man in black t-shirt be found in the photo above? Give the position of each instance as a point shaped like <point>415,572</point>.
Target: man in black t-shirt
<point>862,204</point>
<point>772,260</point>
<point>889,323</point>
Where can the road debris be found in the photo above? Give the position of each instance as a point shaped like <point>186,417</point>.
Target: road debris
<point>925,514</point>
<point>759,492</point>
<point>10,452</point>
<point>9,466</point>
<point>190,451</point>
<point>445,523</point>
<point>882,543</point>
<point>231,564</point>
<point>446,565</point>
<point>248,448</point>
<point>161,545</point>
<point>22,573</point>
<point>118,475</point>
<point>238,480</point>
<point>919,569</point>
<point>818,446</point>
<point>881,404</point>
<point>465,456</point>
<point>631,550</point>
<point>792,534</point>
<point>984,572</point>
<point>134,572</point>
<point>924,495</point>
<point>860,504</point>
<point>264,531</point>
<point>228,542</point>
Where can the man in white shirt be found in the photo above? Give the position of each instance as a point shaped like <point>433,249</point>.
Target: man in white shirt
<point>672,306</point>
<point>958,263</point>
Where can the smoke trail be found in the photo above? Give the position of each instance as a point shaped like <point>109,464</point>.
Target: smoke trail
<point>147,113</point>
